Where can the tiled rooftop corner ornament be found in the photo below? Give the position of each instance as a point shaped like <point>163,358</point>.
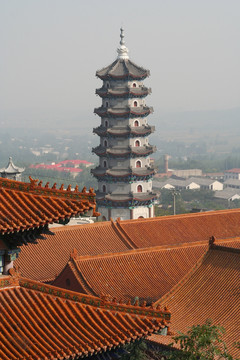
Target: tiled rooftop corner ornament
<point>74,254</point>
<point>15,275</point>
<point>212,240</point>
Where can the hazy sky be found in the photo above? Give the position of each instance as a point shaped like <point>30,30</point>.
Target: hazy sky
<point>51,49</point>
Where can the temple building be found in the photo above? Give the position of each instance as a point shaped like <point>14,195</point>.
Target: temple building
<point>11,171</point>
<point>124,172</point>
<point>27,209</point>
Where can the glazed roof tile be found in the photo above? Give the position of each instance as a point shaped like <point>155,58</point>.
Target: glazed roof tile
<point>26,206</point>
<point>210,291</point>
<point>147,273</point>
<point>182,228</point>
<point>46,322</point>
<point>53,253</point>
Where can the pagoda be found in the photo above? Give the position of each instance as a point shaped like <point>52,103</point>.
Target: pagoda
<point>125,171</point>
<point>11,171</point>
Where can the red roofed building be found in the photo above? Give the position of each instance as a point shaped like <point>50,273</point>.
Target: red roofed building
<point>209,291</point>
<point>26,210</point>
<point>71,166</point>
<point>44,322</point>
<point>232,174</point>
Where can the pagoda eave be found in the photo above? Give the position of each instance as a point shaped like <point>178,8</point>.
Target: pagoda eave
<point>123,77</point>
<point>131,132</point>
<point>128,93</point>
<point>127,176</point>
<point>130,112</point>
<point>120,153</point>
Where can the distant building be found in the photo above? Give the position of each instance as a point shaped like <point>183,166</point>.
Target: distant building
<point>232,183</point>
<point>228,194</point>
<point>187,173</point>
<point>232,174</point>
<point>71,166</point>
<point>11,171</point>
<point>189,184</point>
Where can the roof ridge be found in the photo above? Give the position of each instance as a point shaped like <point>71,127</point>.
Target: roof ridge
<point>215,246</point>
<point>100,302</point>
<point>124,236</point>
<point>143,250</point>
<point>120,229</point>
<point>37,189</point>
<point>167,217</point>
<point>72,227</point>
<point>81,278</point>
<point>185,278</point>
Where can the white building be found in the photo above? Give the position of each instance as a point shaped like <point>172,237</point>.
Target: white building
<point>232,174</point>
<point>189,184</point>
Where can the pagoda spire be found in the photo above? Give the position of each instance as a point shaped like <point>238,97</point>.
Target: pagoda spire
<point>122,50</point>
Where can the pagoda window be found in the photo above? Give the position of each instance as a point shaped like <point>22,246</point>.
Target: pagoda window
<point>138,164</point>
<point>108,85</point>
<point>136,123</point>
<point>137,143</point>
<point>135,103</point>
<point>134,85</point>
<point>105,143</point>
<point>68,283</point>
<point>104,218</point>
<point>104,189</point>
<point>106,123</point>
<point>141,217</point>
<point>104,163</point>
<point>139,188</point>
<point>106,104</point>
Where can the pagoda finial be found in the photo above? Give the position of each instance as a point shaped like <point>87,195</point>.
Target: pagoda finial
<point>122,50</point>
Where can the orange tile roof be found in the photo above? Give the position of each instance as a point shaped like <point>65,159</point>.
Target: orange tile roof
<point>182,228</point>
<point>147,273</point>
<point>210,291</point>
<point>25,206</point>
<point>52,254</point>
<point>44,322</point>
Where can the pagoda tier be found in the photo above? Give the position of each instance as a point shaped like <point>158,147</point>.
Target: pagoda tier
<point>130,131</point>
<point>126,200</point>
<point>124,175</point>
<point>123,69</point>
<point>124,151</point>
<point>126,112</point>
<point>124,92</point>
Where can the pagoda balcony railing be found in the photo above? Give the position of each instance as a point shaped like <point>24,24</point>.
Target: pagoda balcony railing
<point>125,92</point>
<point>138,111</point>
<point>128,151</point>
<point>100,170</point>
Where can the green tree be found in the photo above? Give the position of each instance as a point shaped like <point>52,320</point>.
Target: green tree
<point>136,351</point>
<point>201,342</point>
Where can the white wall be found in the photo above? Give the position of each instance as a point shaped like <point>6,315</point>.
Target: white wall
<point>141,211</point>
<point>216,186</point>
